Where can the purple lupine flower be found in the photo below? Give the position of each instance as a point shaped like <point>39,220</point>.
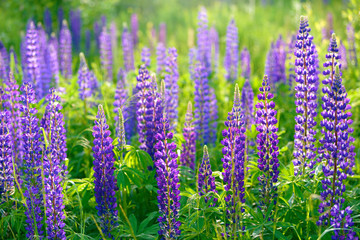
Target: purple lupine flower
<point>247,104</point>
<point>206,182</point>
<point>334,152</point>
<point>192,63</point>
<point>106,55</point>
<point>188,154</point>
<point>233,164</point>
<point>149,110</point>
<point>134,29</point>
<point>231,60</point>
<point>6,149</point>
<point>14,105</point>
<point>351,44</point>
<point>52,58</point>
<point>160,58</point>
<point>87,41</point>
<point>168,181</point>
<point>47,21</point>
<point>113,35</point>
<point>32,72</point>
<point>32,163</point>
<point>171,87</point>
<point>65,51</point>
<point>60,18</point>
<point>121,104</point>
<point>203,40</point>
<point>4,63</point>
<point>342,53</point>
<point>44,64</point>
<point>202,102</point>
<point>128,50</point>
<point>145,56</point>
<point>267,145</point>
<point>213,116</point>
<point>245,63</point>
<point>54,166</point>
<point>94,83</point>
<point>306,101</point>
<point>214,41</point>
<point>275,63</point>
<point>84,80</point>
<point>290,58</point>
<point>75,28</point>
<point>105,182</point>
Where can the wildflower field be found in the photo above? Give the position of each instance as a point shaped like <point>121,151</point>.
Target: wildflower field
<point>131,119</point>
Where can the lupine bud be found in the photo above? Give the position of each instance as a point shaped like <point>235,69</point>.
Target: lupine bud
<point>188,154</point>
<point>233,164</point>
<point>65,51</point>
<point>167,177</point>
<point>206,182</point>
<point>106,55</point>
<point>32,163</point>
<point>306,101</point>
<point>231,61</point>
<point>105,182</point>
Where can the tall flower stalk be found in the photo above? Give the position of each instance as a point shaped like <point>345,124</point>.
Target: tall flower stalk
<point>105,182</point>
<point>168,182</point>
<point>65,51</point>
<point>267,145</point>
<point>32,160</point>
<point>245,63</point>
<point>203,41</point>
<point>306,101</point>
<point>188,153</point>
<point>233,164</point>
<point>231,61</point>
<point>128,50</point>
<point>106,55</point>
<point>54,167</point>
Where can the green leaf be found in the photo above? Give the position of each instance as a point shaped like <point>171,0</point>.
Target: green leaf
<point>133,222</point>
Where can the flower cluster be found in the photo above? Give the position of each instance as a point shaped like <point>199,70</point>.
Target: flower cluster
<point>32,163</point>
<point>168,181</point>
<point>75,27</point>
<point>4,63</point>
<point>6,150</point>
<point>128,50</point>
<point>245,63</point>
<point>202,101</point>
<point>188,154</point>
<point>306,100</point>
<point>54,166</point>
<point>53,58</point>
<point>105,182</point>
<point>162,33</point>
<point>145,56</point>
<point>275,63</point>
<point>171,87</point>
<point>247,104</point>
<point>233,164</point>
<point>160,58</point>
<point>267,145</point>
<point>203,40</point>
<point>65,50</point>
<point>231,61</point>
<point>213,107</point>
<point>134,29</point>
<point>47,21</point>
<point>214,40</point>
<point>206,182</point>
<point>84,79</point>
<point>106,55</point>
<point>32,71</point>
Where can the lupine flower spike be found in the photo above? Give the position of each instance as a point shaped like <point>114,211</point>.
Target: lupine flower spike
<point>232,52</point>
<point>105,182</point>
<point>65,51</point>
<point>233,164</point>
<point>206,182</point>
<point>188,154</point>
<point>168,181</point>
<point>106,55</point>
<point>267,145</point>
<point>306,101</point>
